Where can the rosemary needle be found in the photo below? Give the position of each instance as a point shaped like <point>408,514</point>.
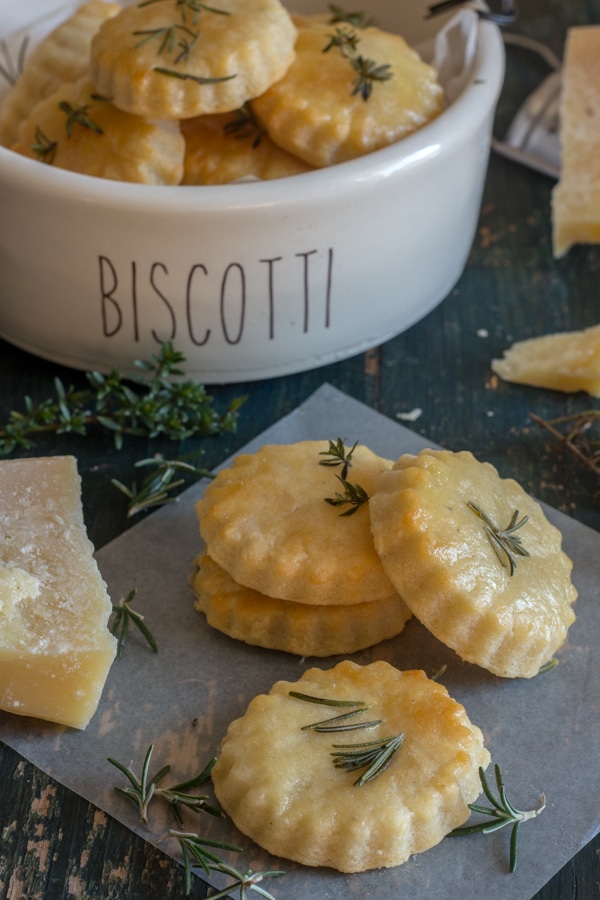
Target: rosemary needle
<point>502,813</point>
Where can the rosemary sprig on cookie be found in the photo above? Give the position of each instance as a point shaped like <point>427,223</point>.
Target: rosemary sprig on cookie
<point>78,115</point>
<point>502,813</point>
<point>372,756</point>
<point>504,542</point>
<point>354,495</point>
<point>43,147</point>
<point>338,455</point>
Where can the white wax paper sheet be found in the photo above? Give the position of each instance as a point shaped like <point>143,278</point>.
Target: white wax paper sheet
<point>544,732</point>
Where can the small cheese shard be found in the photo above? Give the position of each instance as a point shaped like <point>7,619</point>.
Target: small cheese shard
<point>576,198</point>
<point>55,647</point>
<point>567,361</point>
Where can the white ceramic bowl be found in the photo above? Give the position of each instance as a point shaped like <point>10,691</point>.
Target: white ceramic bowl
<point>249,280</point>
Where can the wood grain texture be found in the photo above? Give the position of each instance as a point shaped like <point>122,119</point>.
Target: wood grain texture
<point>55,845</point>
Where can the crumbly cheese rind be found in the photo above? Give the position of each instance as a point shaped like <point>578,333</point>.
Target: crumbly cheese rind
<point>265,520</point>
<point>435,550</point>
<point>234,53</point>
<point>113,145</point>
<point>55,647</point>
<point>60,58</point>
<point>300,628</point>
<point>218,152</point>
<point>279,785</point>
<point>314,113</point>
<point>568,361</point>
<point>576,197</point>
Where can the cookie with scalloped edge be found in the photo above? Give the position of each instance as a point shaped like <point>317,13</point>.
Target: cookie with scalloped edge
<point>318,110</point>
<point>475,559</point>
<point>229,147</point>
<point>300,628</point>
<point>170,60</point>
<point>276,777</point>
<point>61,57</point>
<point>266,520</point>
<point>75,129</point>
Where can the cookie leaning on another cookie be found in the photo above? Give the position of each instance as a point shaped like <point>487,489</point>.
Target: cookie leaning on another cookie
<point>475,559</point>
<point>317,111</point>
<point>276,778</point>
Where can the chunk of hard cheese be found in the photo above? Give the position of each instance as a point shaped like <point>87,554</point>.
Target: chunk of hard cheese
<point>55,647</point>
<point>567,361</point>
<point>576,198</point>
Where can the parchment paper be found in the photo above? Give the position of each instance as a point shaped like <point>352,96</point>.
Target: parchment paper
<point>544,732</point>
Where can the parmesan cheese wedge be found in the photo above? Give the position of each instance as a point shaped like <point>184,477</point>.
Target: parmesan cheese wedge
<point>55,647</point>
<point>566,361</point>
<point>576,198</point>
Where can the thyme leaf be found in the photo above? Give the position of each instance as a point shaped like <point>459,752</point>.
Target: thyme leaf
<point>505,543</point>
<point>368,71</point>
<point>125,615</point>
<point>502,813</point>
<point>357,19</point>
<point>159,404</point>
<point>354,495</point>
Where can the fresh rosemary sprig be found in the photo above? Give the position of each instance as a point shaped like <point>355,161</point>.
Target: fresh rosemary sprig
<point>502,812</point>
<point>339,456</point>
<point>126,615</point>
<point>372,756</point>
<point>154,489</point>
<point>196,854</point>
<point>43,147</point>
<point>368,71</point>
<point>354,495</point>
<point>245,125</point>
<point>78,115</point>
<point>171,38</point>
<point>144,789</point>
<point>160,405</point>
<point>505,543</point>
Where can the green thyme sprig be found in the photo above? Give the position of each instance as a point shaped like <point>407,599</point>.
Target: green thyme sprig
<point>143,790</point>
<point>78,115</point>
<point>158,404</point>
<point>43,147</point>
<point>155,489</point>
<point>502,813</point>
<point>338,455</point>
<point>505,543</point>
<point>125,616</point>
<point>356,19</point>
<point>354,496</point>
<point>368,71</point>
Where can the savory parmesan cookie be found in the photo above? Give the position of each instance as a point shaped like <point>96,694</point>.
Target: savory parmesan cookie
<point>228,147</point>
<point>267,522</point>
<point>283,782</point>
<point>63,56</point>
<point>247,615</point>
<point>475,559</point>
<point>368,90</point>
<point>75,129</point>
<point>170,60</point>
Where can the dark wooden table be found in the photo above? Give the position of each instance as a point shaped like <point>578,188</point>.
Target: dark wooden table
<point>53,844</point>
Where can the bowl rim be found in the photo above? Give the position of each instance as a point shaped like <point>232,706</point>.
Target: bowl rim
<point>472,106</point>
